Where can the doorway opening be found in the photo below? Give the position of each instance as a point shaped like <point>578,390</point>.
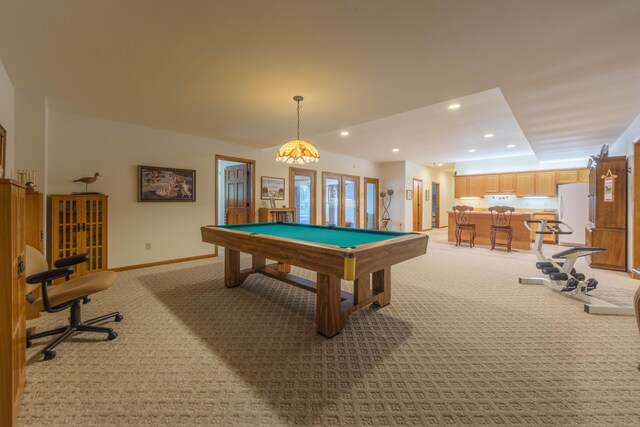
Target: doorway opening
<point>341,198</point>
<point>235,183</point>
<point>417,204</point>
<point>636,210</point>
<point>371,200</point>
<point>302,194</point>
<point>435,205</point>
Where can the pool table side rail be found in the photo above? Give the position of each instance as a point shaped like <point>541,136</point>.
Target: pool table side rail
<point>322,258</point>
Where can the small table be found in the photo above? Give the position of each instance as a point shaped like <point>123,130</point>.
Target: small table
<point>385,222</point>
<point>334,253</point>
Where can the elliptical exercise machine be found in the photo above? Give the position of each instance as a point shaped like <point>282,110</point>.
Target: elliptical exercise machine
<point>562,276</point>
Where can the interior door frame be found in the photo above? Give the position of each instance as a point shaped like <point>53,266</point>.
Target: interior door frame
<point>292,188</point>
<point>436,196</point>
<point>337,176</point>
<point>252,182</point>
<point>635,267</point>
<point>341,197</point>
<point>375,181</point>
<point>417,200</point>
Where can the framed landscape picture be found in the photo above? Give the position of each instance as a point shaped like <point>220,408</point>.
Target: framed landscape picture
<point>158,184</point>
<point>272,188</point>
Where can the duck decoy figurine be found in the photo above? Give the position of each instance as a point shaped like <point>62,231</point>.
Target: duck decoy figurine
<point>88,180</point>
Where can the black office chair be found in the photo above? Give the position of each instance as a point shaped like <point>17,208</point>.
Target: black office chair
<point>68,294</point>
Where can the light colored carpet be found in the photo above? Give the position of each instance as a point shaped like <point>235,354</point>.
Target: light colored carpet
<point>461,343</point>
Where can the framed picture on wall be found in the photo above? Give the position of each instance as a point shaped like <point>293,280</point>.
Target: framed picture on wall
<point>271,188</point>
<point>3,151</point>
<point>158,184</point>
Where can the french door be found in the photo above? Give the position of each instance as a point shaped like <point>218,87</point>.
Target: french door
<point>341,197</point>
<point>371,198</point>
<point>302,194</point>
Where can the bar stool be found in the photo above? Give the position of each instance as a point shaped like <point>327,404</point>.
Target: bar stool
<point>501,222</point>
<point>463,223</point>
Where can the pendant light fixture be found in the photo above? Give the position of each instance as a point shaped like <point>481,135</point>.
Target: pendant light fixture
<point>297,151</point>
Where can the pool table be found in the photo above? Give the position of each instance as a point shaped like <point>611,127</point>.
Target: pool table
<point>334,253</point>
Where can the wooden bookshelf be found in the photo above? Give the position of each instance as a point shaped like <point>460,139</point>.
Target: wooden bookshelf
<point>277,215</point>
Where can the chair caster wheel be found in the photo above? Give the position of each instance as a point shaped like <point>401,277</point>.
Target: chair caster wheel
<point>48,355</point>
<point>112,336</point>
<point>29,343</point>
<point>119,317</point>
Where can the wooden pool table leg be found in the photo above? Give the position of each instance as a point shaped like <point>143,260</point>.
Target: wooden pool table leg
<point>329,318</point>
<point>232,276</point>
<point>382,284</point>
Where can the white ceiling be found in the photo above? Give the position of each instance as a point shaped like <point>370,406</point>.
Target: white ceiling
<point>569,70</point>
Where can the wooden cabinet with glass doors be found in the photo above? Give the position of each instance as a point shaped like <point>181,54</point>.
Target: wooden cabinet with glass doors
<point>79,225</point>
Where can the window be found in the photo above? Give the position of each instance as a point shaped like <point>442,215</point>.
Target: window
<point>371,198</point>
<point>341,196</point>
<point>302,194</point>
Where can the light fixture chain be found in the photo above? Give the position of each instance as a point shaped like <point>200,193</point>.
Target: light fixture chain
<point>298,120</point>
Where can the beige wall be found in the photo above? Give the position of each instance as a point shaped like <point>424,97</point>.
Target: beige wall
<point>7,114</point>
<point>428,175</point>
<point>82,145</point>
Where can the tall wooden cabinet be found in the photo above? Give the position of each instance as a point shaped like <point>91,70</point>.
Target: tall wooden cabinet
<point>277,215</point>
<point>34,214</point>
<point>607,225</point>
<point>12,299</point>
<point>79,225</point>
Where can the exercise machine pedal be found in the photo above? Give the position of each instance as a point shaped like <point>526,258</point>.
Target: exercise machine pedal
<point>578,276</point>
<point>591,285</point>
<point>571,285</point>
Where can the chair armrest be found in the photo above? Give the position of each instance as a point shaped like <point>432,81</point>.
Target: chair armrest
<point>49,275</point>
<point>72,260</point>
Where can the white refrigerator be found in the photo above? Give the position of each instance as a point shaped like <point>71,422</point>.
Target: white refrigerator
<point>573,209</point>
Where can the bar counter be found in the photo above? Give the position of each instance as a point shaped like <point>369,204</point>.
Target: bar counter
<point>482,220</point>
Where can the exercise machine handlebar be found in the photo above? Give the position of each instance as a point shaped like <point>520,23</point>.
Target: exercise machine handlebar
<point>549,226</point>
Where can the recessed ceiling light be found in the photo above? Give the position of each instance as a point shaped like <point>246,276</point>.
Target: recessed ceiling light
<point>511,145</point>
<point>344,133</point>
<point>454,106</point>
<point>439,164</point>
<point>395,150</point>
<point>472,150</point>
<point>488,135</point>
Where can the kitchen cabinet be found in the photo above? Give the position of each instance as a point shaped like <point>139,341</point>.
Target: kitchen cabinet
<point>475,186</point>
<point>583,175</point>
<point>525,184</point>
<point>548,238</point>
<point>546,184</point>
<point>461,186</point>
<point>507,183</point>
<point>567,176</point>
<point>491,184</point>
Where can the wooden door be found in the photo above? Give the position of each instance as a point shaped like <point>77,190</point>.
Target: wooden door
<point>417,205</point>
<point>34,214</point>
<point>636,210</point>
<point>435,204</point>
<point>236,205</point>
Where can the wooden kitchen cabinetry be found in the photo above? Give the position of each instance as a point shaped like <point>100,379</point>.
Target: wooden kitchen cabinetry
<point>476,186</point>
<point>546,184</point>
<point>79,225</point>
<point>607,227</point>
<point>12,299</point>
<point>567,176</point>
<point>461,186</point>
<point>507,183</point>
<point>525,184</point>
<point>492,184</point>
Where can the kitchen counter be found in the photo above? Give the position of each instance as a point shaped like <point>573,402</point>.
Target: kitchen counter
<point>482,220</point>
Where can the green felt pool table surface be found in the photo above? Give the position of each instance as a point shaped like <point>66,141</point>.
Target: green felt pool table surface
<point>337,236</point>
